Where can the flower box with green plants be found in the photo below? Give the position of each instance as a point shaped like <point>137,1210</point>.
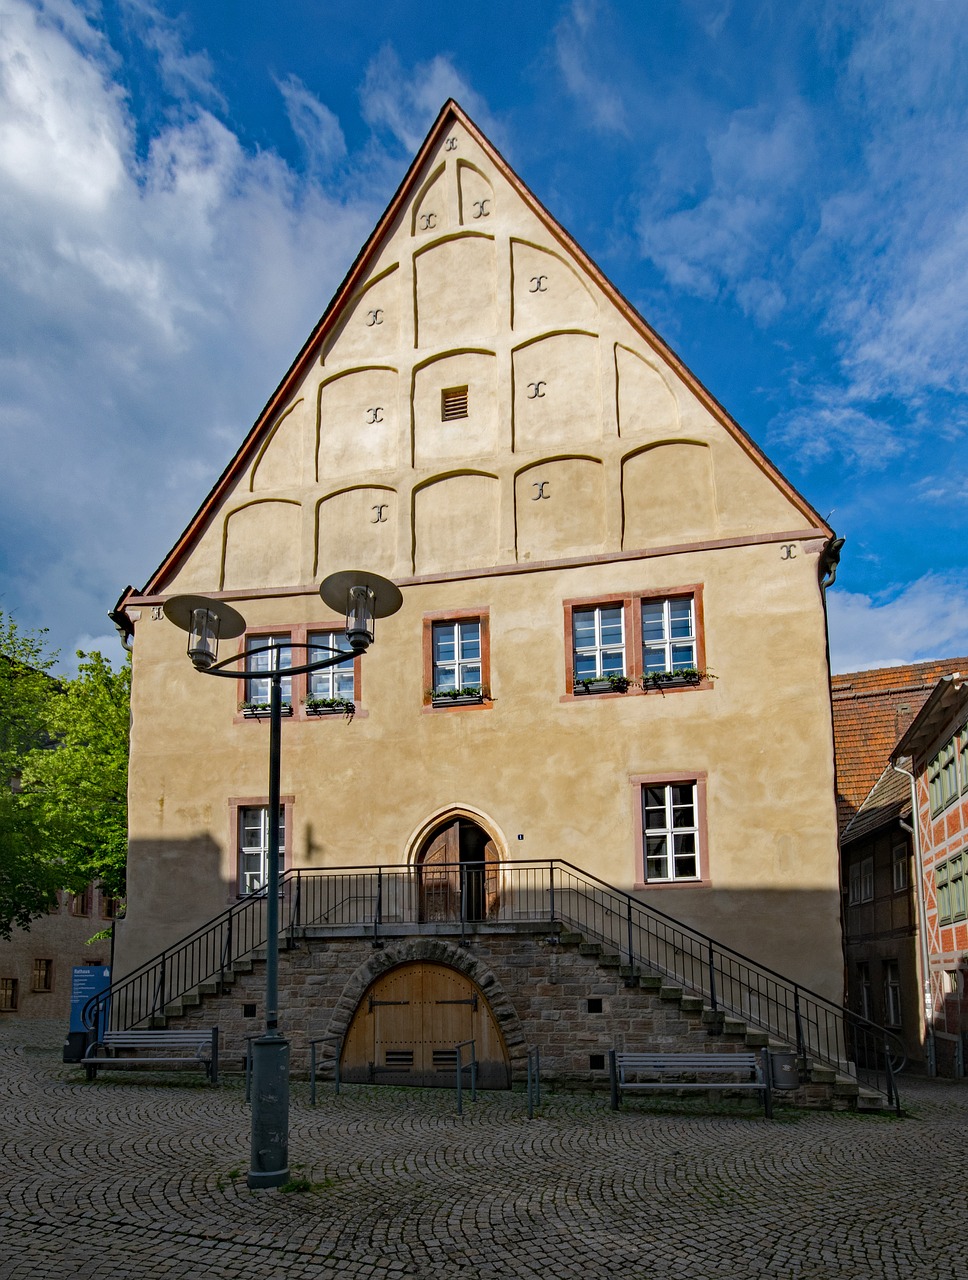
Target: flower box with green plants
<point>467,695</point>
<point>672,679</point>
<point>261,710</point>
<point>604,684</point>
<point>329,706</point>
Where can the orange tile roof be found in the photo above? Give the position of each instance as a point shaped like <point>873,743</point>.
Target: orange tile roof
<point>872,709</point>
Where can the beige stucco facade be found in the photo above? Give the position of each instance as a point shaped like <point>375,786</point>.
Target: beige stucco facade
<point>586,465</point>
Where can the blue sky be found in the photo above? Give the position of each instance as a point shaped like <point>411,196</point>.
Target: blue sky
<point>780,189</point>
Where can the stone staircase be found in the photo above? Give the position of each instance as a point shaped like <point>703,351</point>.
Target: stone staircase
<point>821,1087</point>
<point>685,1017</point>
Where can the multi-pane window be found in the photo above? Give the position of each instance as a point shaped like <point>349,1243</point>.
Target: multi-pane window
<point>81,903</point>
<point>949,881</point>
<point>668,635</point>
<point>336,681</point>
<point>670,831</point>
<point>599,642</point>
<point>892,994</point>
<point>254,846</point>
<point>899,866</point>
<point>110,906</point>
<point>963,758</point>
<point>943,781</point>
<point>861,881</point>
<point>8,995</point>
<point>42,978</point>
<point>258,664</point>
<point>456,650</point>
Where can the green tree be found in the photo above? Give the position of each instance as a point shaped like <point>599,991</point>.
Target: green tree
<point>64,823</point>
<point>28,884</point>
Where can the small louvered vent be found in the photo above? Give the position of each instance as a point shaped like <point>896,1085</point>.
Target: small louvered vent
<point>453,404</point>
<point>399,1059</point>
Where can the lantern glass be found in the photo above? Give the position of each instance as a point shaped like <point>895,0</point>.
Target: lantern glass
<point>360,607</point>
<point>203,638</point>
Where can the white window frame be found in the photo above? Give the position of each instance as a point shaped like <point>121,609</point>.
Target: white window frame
<point>256,674</point>
<point>600,652</point>
<point>338,681</point>
<point>466,669</point>
<point>669,651</point>
<point>252,878</point>
<point>669,829</point>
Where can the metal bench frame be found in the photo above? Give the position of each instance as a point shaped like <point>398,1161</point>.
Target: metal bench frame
<point>128,1049</point>
<point>669,1069</point>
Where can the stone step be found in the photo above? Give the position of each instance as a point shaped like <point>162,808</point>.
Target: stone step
<point>692,1004</point>
<point>589,948</point>
<point>571,939</point>
<point>210,987</point>
<point>670,993</point>
<point>650,981</point>
<point>610,961</point>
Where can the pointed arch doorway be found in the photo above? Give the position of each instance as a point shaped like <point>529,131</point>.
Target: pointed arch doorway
<point>458,873</point>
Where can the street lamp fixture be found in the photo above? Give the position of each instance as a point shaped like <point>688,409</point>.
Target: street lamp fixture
<point>363,597</point>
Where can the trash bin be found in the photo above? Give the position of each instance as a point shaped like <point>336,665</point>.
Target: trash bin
<point>783,1067</point>
<point>75,1045</point>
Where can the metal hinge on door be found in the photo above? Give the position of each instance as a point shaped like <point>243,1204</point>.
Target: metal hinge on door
<point>373,1003</point>
<point>472,1002</point>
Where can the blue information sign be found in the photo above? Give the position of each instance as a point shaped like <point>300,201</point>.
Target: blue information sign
<point>89,980</point>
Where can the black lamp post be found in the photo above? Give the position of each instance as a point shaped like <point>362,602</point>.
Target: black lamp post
<point>364,597</point>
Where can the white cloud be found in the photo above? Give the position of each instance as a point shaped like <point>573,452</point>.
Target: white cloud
<point>831,426</point>
<point>890,260</point>
<point>924,620</point>
<point>718,224</point>
<point>316,127</point>
<point>406,102</point>
<point>151,305</point>
<point>601,103</point>
<point>187,76</point>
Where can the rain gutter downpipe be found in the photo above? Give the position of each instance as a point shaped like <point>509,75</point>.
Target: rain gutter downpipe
<point>912,829</point>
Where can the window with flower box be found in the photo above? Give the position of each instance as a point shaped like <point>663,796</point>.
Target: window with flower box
<point>456,659</point>
<point>643,642</point>
<point>332,692</point>
<point>260,659</point>
<point>332,688</point>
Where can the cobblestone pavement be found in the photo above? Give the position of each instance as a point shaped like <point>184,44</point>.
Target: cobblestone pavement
<point>135,1177</point>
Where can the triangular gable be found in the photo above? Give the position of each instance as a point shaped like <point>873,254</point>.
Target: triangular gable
<point>348,291</point>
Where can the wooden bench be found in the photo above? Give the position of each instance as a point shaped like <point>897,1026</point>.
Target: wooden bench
<point>124,1049</point>
<point>704,1071</point>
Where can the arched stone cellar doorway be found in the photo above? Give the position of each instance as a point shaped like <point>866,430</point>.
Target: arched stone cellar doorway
<point>408,1023</point>
<point>458,873</point>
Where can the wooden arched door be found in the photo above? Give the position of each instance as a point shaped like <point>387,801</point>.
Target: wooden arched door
<point>458,873</point>
<point>408,1024</point>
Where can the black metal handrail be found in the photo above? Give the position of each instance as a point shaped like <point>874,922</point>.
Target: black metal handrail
<point>554,892</point>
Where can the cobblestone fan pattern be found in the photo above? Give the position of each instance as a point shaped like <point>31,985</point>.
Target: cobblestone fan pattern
<point>145,1177</point>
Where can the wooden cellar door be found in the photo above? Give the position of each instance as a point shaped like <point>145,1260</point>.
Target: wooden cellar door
<point>407,1025</point>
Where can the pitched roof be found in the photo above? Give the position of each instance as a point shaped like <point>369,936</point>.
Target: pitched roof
<point>871,711</point>
<point>450,114</point>
<point>887,800</point>
<point>945,700</point>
